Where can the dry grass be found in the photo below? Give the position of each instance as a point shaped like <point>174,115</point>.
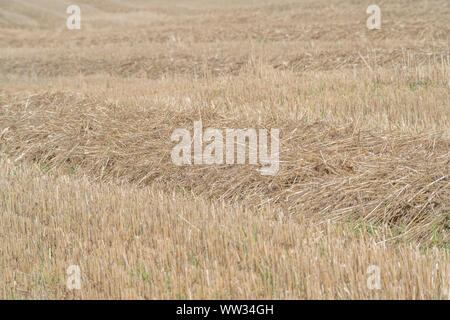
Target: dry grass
<point>143,243</point>
<point>326,170</point>
<point>86,176</point>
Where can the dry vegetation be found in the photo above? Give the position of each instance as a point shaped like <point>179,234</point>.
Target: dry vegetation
<point>86,176</point>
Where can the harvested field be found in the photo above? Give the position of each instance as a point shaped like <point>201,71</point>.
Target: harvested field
<point>87,179</point>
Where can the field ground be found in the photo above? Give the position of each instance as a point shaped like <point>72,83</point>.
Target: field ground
<point>86,176</point>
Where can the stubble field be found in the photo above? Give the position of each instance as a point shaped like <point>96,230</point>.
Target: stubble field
<point>86,176</point>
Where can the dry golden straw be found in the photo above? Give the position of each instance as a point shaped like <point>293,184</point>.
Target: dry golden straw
<point>86,176</point>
